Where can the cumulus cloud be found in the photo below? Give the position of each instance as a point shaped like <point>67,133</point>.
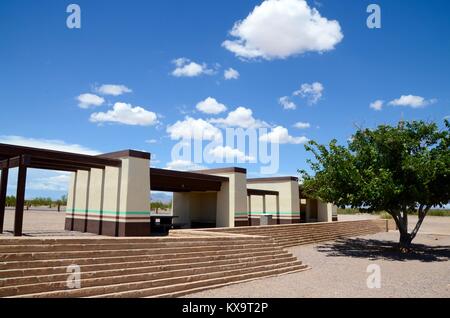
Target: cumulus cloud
<point>241,117</point>
<point>312,92</point>
<point>89,100</point>
<point>229,154</point>
<point>412,101</point>
<point>286,102</point>
<point>191,128</point>
<point>211,106</point>
<point>280,135</point>
<point>186,68</point>
<point>183,165</point>
<point>126,114</point>
<point>57,183</point>
<point>50,144</point>
<point>230,74</point>
<point>112,89</point>
<point>277,29</point>
<point>377,105</point>
<point>302,125</point>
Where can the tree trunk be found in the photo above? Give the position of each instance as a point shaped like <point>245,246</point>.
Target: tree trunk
<point>405,242</point>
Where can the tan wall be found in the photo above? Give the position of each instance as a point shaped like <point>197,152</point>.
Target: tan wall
<point>135,185</point>
<point>195,207</point>
<point>111,195</point>
<point>231,199</point>
<point>181,209</point>
<point>288,196</point>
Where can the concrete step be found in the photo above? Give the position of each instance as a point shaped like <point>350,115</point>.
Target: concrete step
<point>113,286</point>
<point>322,234</point>
<point>178,290</point>
<point>212,285</point>
<point>6,257</point>
<point>158,258</point>
<point>163,270</point>
<point>269,231</point>
<point>16,248</point>
<point>174,263</point>
<point>96,279</point>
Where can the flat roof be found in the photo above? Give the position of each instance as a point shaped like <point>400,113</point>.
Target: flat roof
<point>182,181</point>
<point>273,179</point>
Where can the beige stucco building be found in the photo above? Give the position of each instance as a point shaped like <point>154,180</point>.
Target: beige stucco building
<point>116,200</point>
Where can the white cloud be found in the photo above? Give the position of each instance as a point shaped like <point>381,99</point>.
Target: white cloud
<point>87,100</point>
<point>280,135</point>
<point>312,92</point>
<point>412,101</point>
<point>58,183</point>
<point>187,68</point>
<point>112,89</point>
<point>191,128</point>
<point>229,154</point>
<point>183,165</point>
<point>277,29</point>
<point>302,125</point>
<point>126,114</point>
<point>50,144</point>
<point>230,74</point>
<point>240,117</point>
<point>211,106</point>
<point>377,105</point>
<point>287,103</point>
<point>151,141</point>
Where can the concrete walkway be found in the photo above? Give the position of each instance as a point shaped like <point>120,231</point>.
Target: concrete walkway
<point>339,269</point>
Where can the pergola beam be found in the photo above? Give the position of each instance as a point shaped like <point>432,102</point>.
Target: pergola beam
<point>9,151</point>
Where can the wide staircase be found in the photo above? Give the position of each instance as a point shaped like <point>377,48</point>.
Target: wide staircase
<point>138,267</point>
<point>301,234</point>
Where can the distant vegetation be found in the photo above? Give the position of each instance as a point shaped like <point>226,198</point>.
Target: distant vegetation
<point>156,206</point>
<point>433,212</point>
<point>39,202</point>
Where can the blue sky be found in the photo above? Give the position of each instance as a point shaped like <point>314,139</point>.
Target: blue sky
<point>45,67</point>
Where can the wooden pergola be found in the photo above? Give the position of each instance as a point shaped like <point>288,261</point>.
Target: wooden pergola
<point>20,157</point>
<point>180,181</point>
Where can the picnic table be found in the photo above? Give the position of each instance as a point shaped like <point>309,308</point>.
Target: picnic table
<point>160,225</point>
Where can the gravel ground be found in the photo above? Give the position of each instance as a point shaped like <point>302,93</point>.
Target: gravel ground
<point>431,224</point>
<point>339,269</point>
<point>39,223</point>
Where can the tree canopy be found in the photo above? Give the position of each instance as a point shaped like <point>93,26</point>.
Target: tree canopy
<point>399,169</point>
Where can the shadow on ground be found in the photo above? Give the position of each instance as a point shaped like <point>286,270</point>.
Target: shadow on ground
<point>381,249</point>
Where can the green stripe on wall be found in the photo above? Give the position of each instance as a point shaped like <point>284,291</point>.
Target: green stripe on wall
<point>109,212</point>
<point>266,213</point>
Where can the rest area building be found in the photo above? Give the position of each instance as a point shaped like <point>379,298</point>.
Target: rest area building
<point>115,201</point>
<point>109,194</point>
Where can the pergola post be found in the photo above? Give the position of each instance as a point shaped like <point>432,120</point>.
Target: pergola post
<point>264,204</point>
<point>3,191</point>
<point>278,208</point>
<point>20,199</point>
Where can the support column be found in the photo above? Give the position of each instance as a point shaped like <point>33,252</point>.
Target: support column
<point>249,213</point>
<point>20,199</point>
<point>277,198</point>
<point>3,191</point>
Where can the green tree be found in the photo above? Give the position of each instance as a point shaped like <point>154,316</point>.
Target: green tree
<point>402,170</point>
<point>157,205</point>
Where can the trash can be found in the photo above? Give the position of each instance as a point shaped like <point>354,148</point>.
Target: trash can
<point>265,220</point>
